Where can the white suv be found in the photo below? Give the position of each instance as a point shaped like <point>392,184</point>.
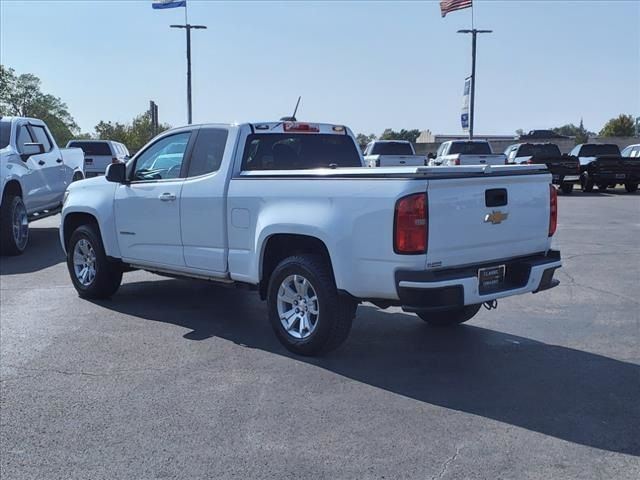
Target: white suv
<point>98,154</point>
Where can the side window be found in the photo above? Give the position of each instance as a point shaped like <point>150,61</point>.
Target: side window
<point>207,151</point>
<point>24,136</point>
<point>42,137</point>
<point>163,159</point>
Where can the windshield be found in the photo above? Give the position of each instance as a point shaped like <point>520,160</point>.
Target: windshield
<point>92,148</point>
<point>290,151</point>
<point>5,133</point>
<point>540,150</point>
<point>470,148</point>
<point>391,148</point>
<point>599,150</point>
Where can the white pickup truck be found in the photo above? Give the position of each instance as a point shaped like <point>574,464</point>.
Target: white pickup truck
<point>286,208</point>
<point>467,152</point>
<point>392,153</point>
<point>34,173</point>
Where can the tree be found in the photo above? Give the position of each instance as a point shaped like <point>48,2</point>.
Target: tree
<point>410,135</point>
<point>570,130</point>
<point>20,95</point>
<point>621,126</point>
<point>363,139</point>
<point>134,135</point>
<point>519,132</point>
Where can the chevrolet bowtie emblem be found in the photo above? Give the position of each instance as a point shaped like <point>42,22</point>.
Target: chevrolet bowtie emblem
<point>495,217</point>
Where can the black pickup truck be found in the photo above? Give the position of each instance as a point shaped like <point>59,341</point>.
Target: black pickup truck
<point>601,164</point>
<point>565,169</point>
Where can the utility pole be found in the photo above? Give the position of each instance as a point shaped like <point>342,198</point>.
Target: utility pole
<point>474,32</point>
<point>188,27</point>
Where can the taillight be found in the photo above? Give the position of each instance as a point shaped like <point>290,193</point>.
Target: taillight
<point>410,229</point>
<point>456,161</point>
<point>553,210</point>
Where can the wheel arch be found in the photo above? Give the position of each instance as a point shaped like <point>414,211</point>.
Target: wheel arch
<point>74,220</point>
<point>12,187</point>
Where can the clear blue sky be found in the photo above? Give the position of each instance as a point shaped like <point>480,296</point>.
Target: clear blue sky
<point>367,64</point>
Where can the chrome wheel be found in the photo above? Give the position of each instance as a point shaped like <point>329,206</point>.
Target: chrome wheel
<point>20,226</point>
<point>84,262</point>
<point>298,306</point>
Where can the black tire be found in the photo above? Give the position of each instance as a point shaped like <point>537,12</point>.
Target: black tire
<point>566,188</point>
<point>450,318</point>
<point>631,187</point>
<point>11,242</point>
<point>335,311</point>
<point>586,183</point>
<point>603,187</point>
<point>108,275</point>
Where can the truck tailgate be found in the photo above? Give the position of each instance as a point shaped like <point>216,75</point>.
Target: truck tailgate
<point>476,220</point>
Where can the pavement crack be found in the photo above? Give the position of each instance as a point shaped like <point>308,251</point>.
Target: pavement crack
<point>446,464</point>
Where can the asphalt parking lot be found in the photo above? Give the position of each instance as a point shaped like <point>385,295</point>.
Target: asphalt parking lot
<point>183,379</point>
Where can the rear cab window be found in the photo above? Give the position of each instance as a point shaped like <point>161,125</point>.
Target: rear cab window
<point>598,150</point>
<point>470,148</point>
<point>5,133</point>
<point>391,148</point>
<point>92,148</point>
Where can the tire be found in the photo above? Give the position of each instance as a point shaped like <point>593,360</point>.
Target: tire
<point>107,276</point>
<point>631,187</point>
<point>586,183</point>
<point>450,318</point>
<point>603,187</point>
<point>77,176</point>
<point>567,188</point>
<point>309,333</point>
<point>14,225</point>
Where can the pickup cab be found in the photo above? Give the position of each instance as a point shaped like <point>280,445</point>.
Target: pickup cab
<point>392,153</point>
<point>467,152</point>
<point>285,208</point>
<point>565,169</point>
<point>34,173</point>
<point>602,164</point>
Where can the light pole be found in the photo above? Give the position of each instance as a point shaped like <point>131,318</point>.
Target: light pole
<point>188,28</point>
<point>474,32</point>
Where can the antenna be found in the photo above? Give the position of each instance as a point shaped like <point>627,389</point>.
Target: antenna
<point>292,118</point>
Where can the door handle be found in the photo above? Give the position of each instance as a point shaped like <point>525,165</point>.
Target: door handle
<point>59,160</point>
<point>167,197</point>
<point>40,162</point>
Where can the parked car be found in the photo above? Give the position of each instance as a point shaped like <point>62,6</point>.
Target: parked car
<point>466,152</point>
<point>392,153</point>
<point>601,164</point>
<point>100,153</point>
<point>34,173</point>
<point>565,170</point>
<point>540,134</point>
<point>632,151</point>
<point>287,209</point>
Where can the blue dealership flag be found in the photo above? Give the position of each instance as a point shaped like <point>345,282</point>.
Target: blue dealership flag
<point>160,4</point>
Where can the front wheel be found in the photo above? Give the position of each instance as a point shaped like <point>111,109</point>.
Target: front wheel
<point>451,317</point>
<point>631,187</point>
<point>566,188</point>
<point>14,225</point>
<point>586,183</point>
<point>92,274</point>
<point>306,312</point>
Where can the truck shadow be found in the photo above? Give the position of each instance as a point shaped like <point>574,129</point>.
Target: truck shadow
<point>569,394</point>
<point>43,251</point>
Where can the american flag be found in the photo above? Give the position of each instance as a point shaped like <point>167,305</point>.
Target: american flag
<point>448,6</point>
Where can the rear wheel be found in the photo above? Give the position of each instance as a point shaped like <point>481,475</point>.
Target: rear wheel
<point>586,183</point>
<point>566,188</point>
<point>14,225</point>
<point>631,187</point>
<point>306,312</point>
<point>92,274</point>
<point>450,318</point>
<point>603,186</point>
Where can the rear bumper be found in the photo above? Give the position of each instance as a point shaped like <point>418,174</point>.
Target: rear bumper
<point>609,177</point>
<point>450,288</point>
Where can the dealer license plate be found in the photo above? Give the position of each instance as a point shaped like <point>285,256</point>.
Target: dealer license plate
<point>490,279</point>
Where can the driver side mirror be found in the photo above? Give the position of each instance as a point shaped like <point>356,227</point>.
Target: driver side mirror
<point>117,173</point>
<point>31,149</point>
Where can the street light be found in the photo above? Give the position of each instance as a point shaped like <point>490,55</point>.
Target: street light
<point>188,27</point>
<point>473,33</point>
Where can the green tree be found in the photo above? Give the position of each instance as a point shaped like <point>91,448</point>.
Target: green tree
<point>570,130</point>
<point>363,139</point>
<point>134,135</point>
<point>20,95</point>
<point>410,135</point>
<point>621,126</point>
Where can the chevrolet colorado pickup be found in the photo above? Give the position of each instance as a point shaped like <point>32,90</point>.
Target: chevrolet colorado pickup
<point>392,153</point>
<point>34,173</point>
<point>565,169</point>
<point>601,164</point>
<point>288,209</point>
